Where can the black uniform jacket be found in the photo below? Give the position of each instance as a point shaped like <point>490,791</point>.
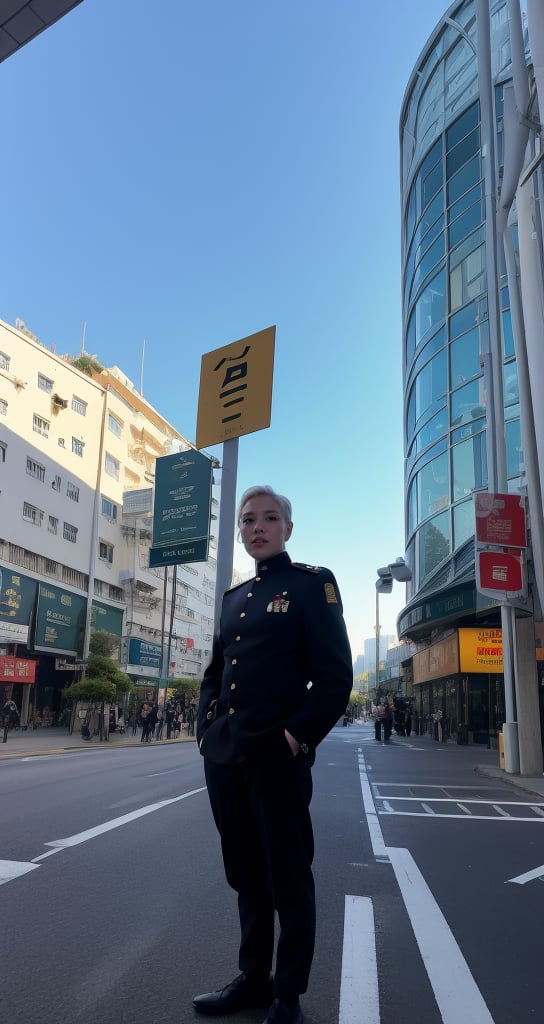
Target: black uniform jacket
<point>282,660</point>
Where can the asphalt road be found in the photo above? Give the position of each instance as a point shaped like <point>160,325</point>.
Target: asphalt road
<point>114,907</point>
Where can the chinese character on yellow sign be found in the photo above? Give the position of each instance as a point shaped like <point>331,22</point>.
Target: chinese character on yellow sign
<point>235,396</point>
<point>480,650</point>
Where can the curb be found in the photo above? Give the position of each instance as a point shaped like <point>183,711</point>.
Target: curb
<point>100,745</point>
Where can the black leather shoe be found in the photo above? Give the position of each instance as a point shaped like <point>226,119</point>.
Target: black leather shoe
<point>242,993</point>
<point>284,1013</point>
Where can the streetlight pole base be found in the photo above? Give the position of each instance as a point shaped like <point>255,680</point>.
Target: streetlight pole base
<point>511,748</point>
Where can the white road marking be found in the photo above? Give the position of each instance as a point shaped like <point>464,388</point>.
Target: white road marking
<point>427,809</point>
<point>453,800</point>
<point>10,869</point>
<point>359,980</point>
<point>537,809</point>
<point>462,817</point>
<point>376,837</point>
<point>499,810</point>
<point>528,876</point>
<point>107,826</point>
<point>426,785</point>
<point>455,990</point>
<point>465,809</point>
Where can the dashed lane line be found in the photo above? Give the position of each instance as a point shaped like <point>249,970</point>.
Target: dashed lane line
<point>359,980</point>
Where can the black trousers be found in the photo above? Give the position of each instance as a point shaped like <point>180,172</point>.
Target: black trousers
<point>261,809</point>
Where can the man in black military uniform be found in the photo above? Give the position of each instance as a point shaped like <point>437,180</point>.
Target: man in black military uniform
<point>279,679</point>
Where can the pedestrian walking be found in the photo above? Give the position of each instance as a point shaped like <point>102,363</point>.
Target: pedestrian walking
<point>10,714</point>
<point>379,721</point>
<point>279,679</point>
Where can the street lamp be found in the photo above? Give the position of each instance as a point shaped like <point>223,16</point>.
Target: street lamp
<point>397,570</point>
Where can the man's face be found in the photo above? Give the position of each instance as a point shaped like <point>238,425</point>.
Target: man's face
<point>263,528</point>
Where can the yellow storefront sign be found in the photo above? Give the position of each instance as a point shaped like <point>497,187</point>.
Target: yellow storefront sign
<point>480,650</point>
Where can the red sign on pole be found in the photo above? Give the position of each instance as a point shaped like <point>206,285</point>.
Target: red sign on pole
<point>500,520</point>
<point>500,572</point>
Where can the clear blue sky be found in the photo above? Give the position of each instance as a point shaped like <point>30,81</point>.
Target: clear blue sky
<point>192,172</point>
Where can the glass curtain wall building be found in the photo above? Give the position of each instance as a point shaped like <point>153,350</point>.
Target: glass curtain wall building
<point>457,327</point>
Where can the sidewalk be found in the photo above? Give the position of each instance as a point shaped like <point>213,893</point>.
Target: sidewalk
<point>52,740</point>
<point>482,761</point>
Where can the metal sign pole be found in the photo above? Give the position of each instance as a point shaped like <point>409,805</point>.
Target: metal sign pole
<point>227,514</point>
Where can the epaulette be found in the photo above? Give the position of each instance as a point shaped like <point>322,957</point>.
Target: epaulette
<point>307,568</point>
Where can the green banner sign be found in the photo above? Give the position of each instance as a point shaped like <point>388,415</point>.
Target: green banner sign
<point>181,511</point>
<point>17,597</point>
<point>178,554</point>
<point>60,621</point>
<point>106,618</point>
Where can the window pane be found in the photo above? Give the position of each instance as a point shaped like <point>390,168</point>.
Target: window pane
<point>434,544</point>
<point>463,523</point>
<point>462,126</point>
<point>431,257</point>
<point>467,403</point>
<point>412,507</point>
<point>431,384</point>
<point>431,184</point>
<point>514,451</point>
<point>511,386</point>
<point>464,358</point>
<point>460,183</point>
<point>433,486</point>
<point>469,466</point>
<point>114,425</point>
<point>466,223</point>
<point>44,383</point>
<point>430,308</point>
<point>507,335</point>
<point>436,427</point>
<point>459,155</point>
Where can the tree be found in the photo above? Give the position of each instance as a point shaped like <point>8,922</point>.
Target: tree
<point>103,679</point>
<point>87,364</point>
<point>190,688</point>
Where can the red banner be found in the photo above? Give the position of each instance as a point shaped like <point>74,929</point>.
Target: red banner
<point>17,670</point>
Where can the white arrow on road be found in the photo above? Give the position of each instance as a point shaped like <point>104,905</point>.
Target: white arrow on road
<point>10,869</point>
<point>528,876</point>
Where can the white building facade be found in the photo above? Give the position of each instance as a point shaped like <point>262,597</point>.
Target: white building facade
<point>77,468</point>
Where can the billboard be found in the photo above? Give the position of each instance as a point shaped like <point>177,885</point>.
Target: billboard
<point>181,509</point>
<point>60,621</point>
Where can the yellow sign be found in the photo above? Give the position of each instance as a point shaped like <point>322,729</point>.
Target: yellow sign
<point>480,650</point>
<point>235,394</point>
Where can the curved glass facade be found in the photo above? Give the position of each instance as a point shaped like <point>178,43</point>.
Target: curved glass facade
<point>445,296</point>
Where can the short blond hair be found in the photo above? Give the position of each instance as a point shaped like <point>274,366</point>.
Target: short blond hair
<point>266,489</point>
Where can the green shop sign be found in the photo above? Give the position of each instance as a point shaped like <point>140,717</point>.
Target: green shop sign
<point>181,511</point>
<point>458,600</point>
<point>17,597</point>
<point>60,621</point>
<point>106,618</point>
